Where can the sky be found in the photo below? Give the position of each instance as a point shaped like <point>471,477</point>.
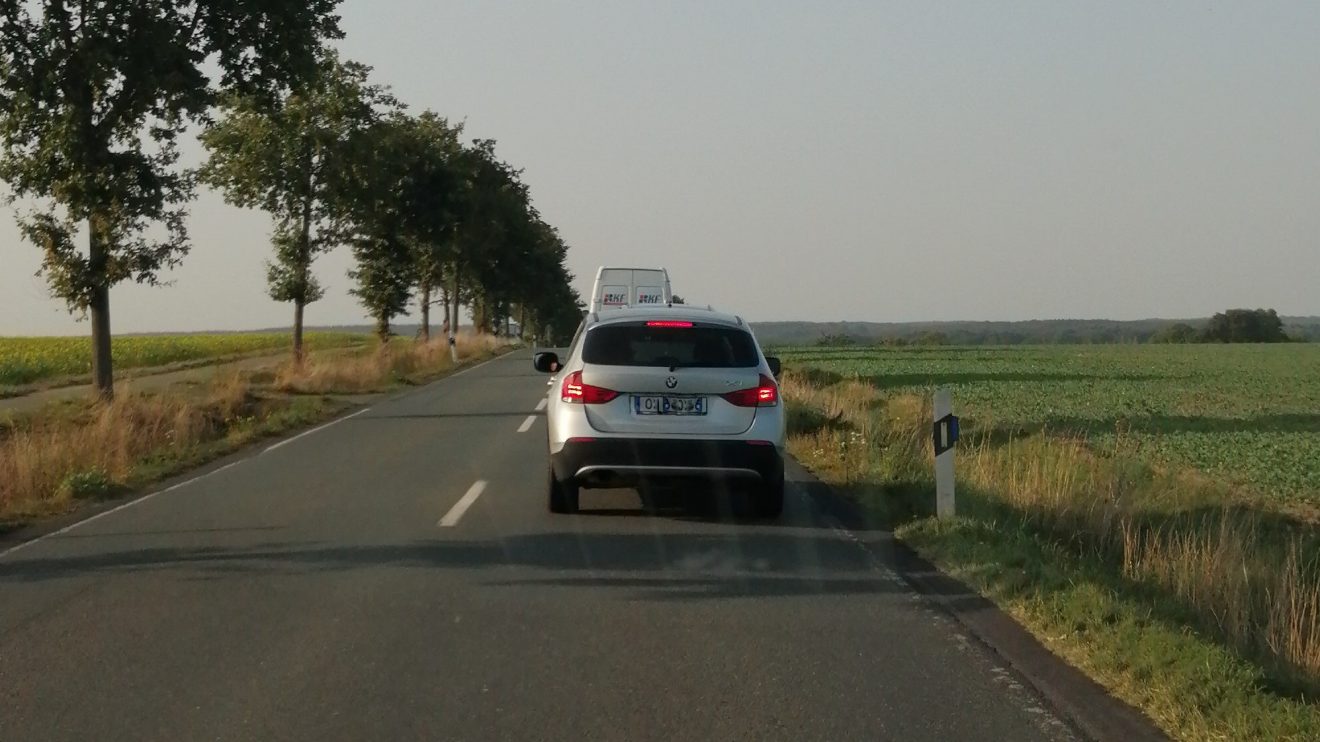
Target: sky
<point>862,161</point>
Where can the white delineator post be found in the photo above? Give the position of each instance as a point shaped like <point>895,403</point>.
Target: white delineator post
<point>945,436</point>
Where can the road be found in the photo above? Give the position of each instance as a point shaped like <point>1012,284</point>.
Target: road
<point>311,592</point>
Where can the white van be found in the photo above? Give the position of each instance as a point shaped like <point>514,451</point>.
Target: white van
<point>620,288</point>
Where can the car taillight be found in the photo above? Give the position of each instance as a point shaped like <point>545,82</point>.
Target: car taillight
<point>764,394</point>
<point>575,391</point>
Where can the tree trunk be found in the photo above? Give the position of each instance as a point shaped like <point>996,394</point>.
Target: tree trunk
<point>479,314</point>
<point>304,261</point>
<point>103,375</point>
<point>444,302</point>
<point>298,306</point>
<point>426,311</point>
<point>453,327</point>
<point>383,328</point>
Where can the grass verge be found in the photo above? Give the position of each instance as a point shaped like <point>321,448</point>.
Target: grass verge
<point>1189,599</point>
<point>75,451</point>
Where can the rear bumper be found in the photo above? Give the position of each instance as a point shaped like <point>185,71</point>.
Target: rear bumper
<point>622,461</point>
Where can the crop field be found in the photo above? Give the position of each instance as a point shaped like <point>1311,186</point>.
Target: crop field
<point>1247,414</point>
<point>25,360</point>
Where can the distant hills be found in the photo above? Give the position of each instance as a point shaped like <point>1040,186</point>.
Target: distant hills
<point>993,333</point>
<point>1027,332</point>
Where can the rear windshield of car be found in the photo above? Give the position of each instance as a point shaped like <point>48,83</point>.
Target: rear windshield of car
<point>640,345</point>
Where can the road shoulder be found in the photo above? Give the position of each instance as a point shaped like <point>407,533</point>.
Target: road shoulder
<point>1075,697</point>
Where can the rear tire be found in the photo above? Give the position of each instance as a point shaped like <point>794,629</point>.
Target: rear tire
<point>769,502</point>
<point>563,496</point>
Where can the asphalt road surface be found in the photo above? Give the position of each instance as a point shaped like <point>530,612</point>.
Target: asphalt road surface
<point>396,576</point>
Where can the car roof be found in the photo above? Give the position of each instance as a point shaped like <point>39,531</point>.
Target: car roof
<point>680,312</point>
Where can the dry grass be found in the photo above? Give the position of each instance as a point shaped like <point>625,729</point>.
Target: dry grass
<point>70,452</point>
<point>49,461</point>
<point>1247,574</point>
<point>399,361</point>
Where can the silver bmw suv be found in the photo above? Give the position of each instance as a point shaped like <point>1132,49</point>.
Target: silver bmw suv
<point>660,394</point>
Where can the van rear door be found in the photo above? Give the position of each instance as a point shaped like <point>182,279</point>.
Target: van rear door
<point>617,288</point>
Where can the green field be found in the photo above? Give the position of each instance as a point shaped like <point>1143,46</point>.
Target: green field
<point>1249,414</point>
<point>28,360</point>
<point>1151,513</point>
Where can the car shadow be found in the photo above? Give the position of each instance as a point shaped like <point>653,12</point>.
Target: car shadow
<point>678,565</point>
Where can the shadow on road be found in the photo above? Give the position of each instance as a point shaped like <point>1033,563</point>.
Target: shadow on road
<point>651,566</point>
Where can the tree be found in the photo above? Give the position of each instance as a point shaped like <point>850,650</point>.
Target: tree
<point>93,97</point>
<point>432,200</point>
<point>1180,332</point>
<point>290,157</point>
<point>1245,326</point>
<point>491,199</point>
<point>541,284</point>
<point>1303,330</point>
<point>836,340</point>
<point>400,206</point>
<point>931,337</point>
<point>374,203</point>
<point>429,214</point>
<point>383,275</point>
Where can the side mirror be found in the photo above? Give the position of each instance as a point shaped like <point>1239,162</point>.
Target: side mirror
<point>773,363</point>
<point>546,363</point>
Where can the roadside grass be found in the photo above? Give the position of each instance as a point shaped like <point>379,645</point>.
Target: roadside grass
<point>1186,596</point>
<point>74,451</point>
<point>399,362</point>
<point>31,363</point>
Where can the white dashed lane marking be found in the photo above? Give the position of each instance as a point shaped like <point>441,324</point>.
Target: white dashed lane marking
<point>455,513</point>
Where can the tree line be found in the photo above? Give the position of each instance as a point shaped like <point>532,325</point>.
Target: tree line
<point>1232,326</point>
<point>1236,325</point>
<point>94,98</point>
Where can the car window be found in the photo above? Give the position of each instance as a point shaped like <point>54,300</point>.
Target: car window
<point>643,345</point>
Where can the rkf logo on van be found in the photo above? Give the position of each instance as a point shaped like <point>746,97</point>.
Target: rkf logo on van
<point>650,295</point>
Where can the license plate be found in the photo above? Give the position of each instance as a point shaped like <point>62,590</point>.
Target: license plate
<point>662,405</point>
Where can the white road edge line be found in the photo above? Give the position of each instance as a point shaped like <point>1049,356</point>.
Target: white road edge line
<point>317,429</point>
<point>456,513</point>
<point>527,424</point>
<point>116,509</point>
<point>473,368</point>
<point>540,405</point>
